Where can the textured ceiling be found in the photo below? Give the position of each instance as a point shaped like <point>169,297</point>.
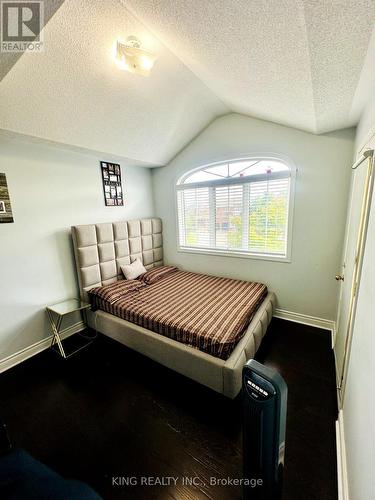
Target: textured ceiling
<point>7,60</point>
<point>303,63</point>
<point>73,93</point>
<point>295,62</point>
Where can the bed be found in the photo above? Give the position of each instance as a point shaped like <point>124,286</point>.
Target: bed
<point>178,318</point>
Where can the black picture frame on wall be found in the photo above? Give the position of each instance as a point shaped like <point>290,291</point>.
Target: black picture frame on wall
<point>112,184</point>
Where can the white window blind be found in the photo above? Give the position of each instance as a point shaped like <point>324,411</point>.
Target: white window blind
<point>235,214</point>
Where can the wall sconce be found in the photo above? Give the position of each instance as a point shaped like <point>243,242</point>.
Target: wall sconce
<point>131,57</point>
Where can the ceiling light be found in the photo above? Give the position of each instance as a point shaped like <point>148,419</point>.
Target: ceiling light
<point>131,57</point>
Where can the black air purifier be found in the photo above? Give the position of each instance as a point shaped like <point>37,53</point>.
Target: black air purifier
<point>264,413</point>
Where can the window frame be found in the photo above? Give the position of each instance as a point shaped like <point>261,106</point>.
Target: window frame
<point>179,181</point>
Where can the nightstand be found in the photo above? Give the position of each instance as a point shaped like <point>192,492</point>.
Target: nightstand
<point>57,312</point>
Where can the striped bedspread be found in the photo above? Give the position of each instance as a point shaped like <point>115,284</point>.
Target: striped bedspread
<point>205,312</point>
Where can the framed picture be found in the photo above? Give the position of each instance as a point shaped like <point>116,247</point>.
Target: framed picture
<point>112,188</point>
<point>5,206</point>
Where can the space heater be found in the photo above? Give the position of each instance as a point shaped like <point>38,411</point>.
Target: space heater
<point>264,413</point>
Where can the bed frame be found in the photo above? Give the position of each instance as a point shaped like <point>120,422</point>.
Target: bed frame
<point>100,251</point>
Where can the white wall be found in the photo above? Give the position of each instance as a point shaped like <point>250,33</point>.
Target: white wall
<point>366,127</point>
<point>306,285</point>
<point>51,189</point>
<point>359,402</point>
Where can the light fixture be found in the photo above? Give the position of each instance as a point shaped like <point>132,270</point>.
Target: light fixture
<point>131,57</point>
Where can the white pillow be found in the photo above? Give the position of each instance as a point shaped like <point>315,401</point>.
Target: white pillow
<point>133,270</point>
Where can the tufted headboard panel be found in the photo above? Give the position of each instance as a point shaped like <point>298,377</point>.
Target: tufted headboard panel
<point>101,249</point>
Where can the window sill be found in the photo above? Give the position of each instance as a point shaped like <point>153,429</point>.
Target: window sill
<point>231,253</point>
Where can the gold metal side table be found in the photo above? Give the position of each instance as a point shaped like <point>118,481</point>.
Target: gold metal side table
<point>57,312</point>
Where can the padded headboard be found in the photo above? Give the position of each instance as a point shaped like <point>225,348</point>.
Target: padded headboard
<point>101,249</point>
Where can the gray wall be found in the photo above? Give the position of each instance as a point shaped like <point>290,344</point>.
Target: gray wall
<point>359,402</point>
<point>51,189</point>
<point>306,285</point>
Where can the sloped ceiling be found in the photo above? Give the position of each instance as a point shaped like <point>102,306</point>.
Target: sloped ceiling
<point>302,63</point>
<point>294,62</point>
<point>73,92</point>
<point>8,59</point>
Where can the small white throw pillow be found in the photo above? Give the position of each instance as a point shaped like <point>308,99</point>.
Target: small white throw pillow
<point>133,270</point>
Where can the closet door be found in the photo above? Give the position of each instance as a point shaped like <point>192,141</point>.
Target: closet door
<point>349,276</point>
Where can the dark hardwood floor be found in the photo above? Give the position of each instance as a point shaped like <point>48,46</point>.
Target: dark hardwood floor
<point>112,413</point>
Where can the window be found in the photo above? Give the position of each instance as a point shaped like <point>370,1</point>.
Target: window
<point>239,207</point>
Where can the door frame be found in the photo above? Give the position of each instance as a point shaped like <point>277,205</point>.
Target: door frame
<point>368,155</point>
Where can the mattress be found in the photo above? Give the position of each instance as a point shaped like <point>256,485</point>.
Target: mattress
<point>208,313</point>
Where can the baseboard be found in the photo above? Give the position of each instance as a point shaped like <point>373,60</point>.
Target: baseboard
<point>338,381</point>
<point>342,475</point>
<point>34,349</point>
<point>28,352</point>
<point>325,324</point>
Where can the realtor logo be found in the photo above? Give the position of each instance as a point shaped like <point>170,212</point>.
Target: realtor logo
<point>21,26</point>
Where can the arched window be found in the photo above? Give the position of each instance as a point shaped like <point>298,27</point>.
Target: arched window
<point>241,207</point>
